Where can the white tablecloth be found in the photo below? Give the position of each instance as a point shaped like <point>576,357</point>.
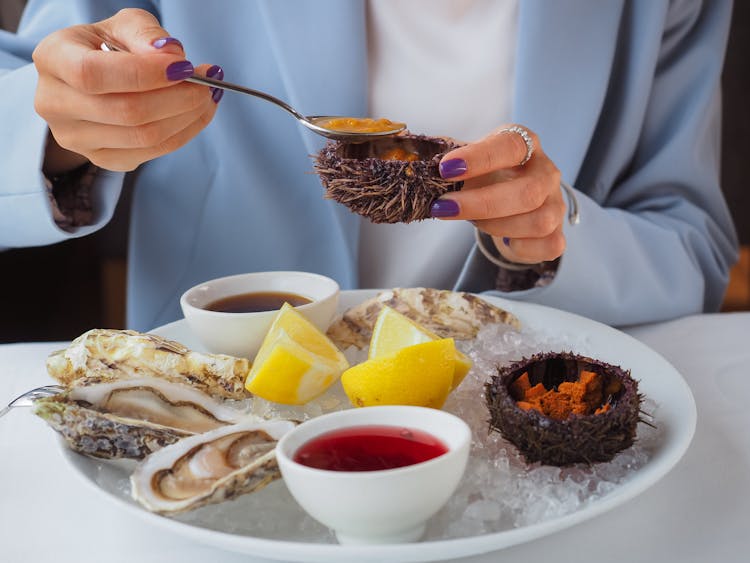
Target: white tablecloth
<point>699,512</point>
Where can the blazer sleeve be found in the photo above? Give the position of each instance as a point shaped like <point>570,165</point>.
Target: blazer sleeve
<point>659,242</point>
<point>25,210</point>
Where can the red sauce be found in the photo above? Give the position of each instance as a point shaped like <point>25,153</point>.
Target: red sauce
<point>369,448</point>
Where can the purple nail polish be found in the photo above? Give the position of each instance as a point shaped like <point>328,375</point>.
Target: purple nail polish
<point>218,73</point>
<point>506,241</point>
<point>215,72</point>
<point>159,43</point>
<point>453,167</point>
<point>180,70</point>
<point>444,208</point>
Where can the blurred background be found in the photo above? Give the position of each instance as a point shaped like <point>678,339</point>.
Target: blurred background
<point>60,291</point>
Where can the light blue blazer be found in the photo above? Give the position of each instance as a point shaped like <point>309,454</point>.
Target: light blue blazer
<point>624,95</point>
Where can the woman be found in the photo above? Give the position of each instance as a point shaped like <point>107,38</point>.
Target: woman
<point>619,100</point>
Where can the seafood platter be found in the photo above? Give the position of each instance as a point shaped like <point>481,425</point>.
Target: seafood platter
<point>568,419</point>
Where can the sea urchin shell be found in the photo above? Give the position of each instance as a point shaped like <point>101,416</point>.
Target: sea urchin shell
<point>386,190</point>
<point>585,438</point>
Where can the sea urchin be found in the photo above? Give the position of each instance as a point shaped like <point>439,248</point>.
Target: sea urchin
<point>388,180</point>
<point>594,410</point>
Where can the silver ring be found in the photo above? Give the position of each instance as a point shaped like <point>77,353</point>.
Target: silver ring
<point>526,139</point>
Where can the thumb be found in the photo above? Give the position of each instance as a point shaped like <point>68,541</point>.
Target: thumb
<point>138,31</point>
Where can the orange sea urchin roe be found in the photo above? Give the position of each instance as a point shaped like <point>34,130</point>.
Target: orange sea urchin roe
<point>584,396</point>
<point>360,124</point>
<point>399,154</point>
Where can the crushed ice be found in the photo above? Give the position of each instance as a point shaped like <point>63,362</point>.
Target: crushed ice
<point>499,490</point>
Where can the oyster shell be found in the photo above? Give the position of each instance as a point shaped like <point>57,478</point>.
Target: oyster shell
<point>209,468</point>
<point>449,314</point>
<point>131,418</point>
<point>103,354</point>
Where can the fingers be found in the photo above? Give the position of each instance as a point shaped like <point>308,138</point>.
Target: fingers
<point>126,160</point>
<point>121,108</point>
<point>59,100</point>
<point>138,31</point>
<point>538,223</point>
<point>73,55</point>
<point>153,133</point>
<point>152,123</point>
<point>95,136</point>
<point>529,237</point>
<point>532,250</point>
<point>92,71</point>
<point>521,193</point>
<point>499,150</point>
<point>520,206</point>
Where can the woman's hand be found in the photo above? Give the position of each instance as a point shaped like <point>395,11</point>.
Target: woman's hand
<point>522,207</point>
<point>118,109</point>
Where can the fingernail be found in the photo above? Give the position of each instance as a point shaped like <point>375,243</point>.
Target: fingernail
<point>159,43</point>
<point>180,70</point>
<point>506,241</point>
<point>215,72</point>
<point>444,208</point>
<point>218,73</point>
<point>452,167</point>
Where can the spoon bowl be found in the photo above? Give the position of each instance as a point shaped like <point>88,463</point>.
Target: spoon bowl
<point>317,123</point>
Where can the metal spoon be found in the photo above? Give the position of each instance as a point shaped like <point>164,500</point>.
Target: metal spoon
<point>315,123</point>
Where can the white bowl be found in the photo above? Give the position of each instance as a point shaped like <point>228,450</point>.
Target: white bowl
<point>241,334</point>
<point>386,506</point>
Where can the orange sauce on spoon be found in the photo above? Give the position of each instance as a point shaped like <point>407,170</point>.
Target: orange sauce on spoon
<point>360,124</point>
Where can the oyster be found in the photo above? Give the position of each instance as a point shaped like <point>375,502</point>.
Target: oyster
<point>449,314</point>
<point>131,418</point>
<point>103,354</point>
<point>209,468</point>
<point>389,180</point>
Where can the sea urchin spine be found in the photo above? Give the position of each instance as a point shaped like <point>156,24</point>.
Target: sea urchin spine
<point>362,177</point>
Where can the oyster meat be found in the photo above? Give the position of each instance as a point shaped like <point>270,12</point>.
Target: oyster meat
<point>449,314</point>
<point>209,468</point>
<point>130,418</point>
<point>104,354</point>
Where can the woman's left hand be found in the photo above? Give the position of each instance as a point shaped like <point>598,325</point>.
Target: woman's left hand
<point>522,207</point>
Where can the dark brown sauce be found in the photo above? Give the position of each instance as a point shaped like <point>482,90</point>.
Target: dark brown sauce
<point>256,301</point>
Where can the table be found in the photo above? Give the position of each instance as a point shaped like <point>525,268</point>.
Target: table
<point>699,512</point>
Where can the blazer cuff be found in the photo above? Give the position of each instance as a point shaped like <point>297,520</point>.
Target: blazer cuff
<point>26,211</point>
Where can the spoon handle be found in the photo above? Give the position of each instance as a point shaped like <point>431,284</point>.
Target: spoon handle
<point>205,81</point>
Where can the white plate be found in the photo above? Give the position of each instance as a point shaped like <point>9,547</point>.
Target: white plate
<point>658,380</point>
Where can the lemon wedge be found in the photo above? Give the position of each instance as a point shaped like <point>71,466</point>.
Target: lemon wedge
<point>296,361</point>
<point>420,375</point>
<point>394,331</point>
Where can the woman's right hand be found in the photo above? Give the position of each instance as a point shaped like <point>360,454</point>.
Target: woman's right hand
<point>118,109</point>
